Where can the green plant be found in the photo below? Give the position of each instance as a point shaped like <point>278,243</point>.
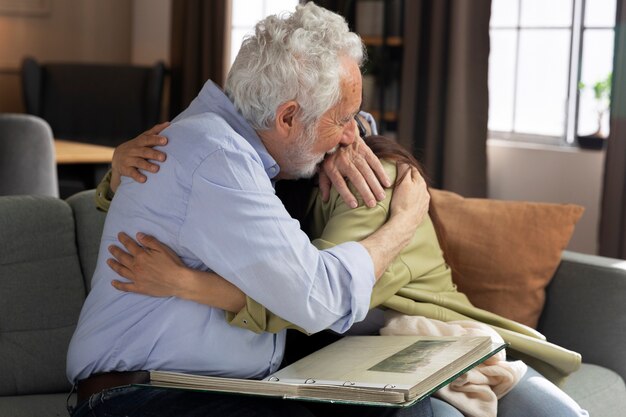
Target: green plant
<point>602,95</point>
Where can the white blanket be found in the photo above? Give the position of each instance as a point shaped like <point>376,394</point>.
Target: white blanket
<point>476,392</point>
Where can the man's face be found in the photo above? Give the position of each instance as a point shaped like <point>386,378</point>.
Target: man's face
<point>336,127</point>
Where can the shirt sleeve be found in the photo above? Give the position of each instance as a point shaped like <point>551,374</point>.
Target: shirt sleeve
<point>255,317</point>
<point>372,122</point>
<point>238,228</point>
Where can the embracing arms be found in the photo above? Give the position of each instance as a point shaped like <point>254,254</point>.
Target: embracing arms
<point>382,246</point>
<point>153,269</point>
<point>356,163</point>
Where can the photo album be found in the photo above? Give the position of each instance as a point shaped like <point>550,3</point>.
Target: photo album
<point>368,370</point>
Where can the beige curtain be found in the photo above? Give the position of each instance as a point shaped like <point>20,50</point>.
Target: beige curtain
<point>612,232</point>
<point>199,48</point>
<point>444,100</point>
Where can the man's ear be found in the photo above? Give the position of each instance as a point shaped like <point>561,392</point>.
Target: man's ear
<point>286,116</point>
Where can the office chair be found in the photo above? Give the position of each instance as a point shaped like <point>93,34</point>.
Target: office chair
<point>94,103</point>
<point>27,162</point>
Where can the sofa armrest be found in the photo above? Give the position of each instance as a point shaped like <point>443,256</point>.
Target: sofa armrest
<point>586,309</point>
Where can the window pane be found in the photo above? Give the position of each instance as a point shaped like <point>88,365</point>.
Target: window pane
<point>600,13</point>
<point>504,13</point>
<point>542,82</point>
<point>546,13</point>
<point>502,79</point>
<point>236,37</point>
<point>279,6</point>
<point>597,61</point>
<point>246,12</point>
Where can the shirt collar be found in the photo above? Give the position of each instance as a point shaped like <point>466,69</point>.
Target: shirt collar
<point>213,99</point>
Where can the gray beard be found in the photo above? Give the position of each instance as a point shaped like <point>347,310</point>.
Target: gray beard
<point>302,161</point>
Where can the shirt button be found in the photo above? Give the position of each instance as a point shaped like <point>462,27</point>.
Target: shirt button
<point>245,321</point>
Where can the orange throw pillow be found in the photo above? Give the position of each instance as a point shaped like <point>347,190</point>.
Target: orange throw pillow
<point>503,254</point>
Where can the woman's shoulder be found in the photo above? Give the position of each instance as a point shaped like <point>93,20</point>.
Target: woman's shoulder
<point>391,169</point>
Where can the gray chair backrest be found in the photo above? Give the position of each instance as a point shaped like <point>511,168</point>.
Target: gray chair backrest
<point>27,159</point>
<point>94,103</point>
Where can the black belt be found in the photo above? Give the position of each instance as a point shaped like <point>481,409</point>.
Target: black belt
<point>99,382</point>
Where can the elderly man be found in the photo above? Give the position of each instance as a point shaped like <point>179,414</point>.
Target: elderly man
<point>291,97</point>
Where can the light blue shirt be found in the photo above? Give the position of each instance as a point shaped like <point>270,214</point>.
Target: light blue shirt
<point>213,203</point>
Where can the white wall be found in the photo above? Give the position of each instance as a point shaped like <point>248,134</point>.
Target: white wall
<point>522,171</point>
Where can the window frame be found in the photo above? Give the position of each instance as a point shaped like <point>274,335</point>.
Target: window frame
<point>577,31</point>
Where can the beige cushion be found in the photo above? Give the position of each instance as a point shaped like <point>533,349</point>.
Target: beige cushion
<point>503,253</point>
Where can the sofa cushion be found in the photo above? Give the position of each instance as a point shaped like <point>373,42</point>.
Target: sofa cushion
<point>89,223</point>
<point>503,253</point>
<point>41,293</point>
<point>50,405</point>
<point>598,390</point>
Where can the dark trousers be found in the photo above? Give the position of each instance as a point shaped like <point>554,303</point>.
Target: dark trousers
<point>132,401</point>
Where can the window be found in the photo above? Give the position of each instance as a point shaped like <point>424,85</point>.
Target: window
<point>550,68</point>
<point>246,13</point>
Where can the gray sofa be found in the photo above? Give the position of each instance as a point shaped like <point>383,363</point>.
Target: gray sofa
<point>48,250</point>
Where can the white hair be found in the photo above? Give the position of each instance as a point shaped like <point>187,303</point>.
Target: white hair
<point>292,57</point>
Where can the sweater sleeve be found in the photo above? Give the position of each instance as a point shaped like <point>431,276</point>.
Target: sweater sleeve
<point>104,194</point>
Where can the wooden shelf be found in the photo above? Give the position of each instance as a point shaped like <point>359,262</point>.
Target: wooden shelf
<point>380,26</point>
<point>378,40</point>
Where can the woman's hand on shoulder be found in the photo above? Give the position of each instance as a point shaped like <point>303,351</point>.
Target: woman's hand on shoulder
<point>136,154</point>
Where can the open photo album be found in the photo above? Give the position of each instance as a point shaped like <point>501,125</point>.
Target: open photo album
<point>372,370</point>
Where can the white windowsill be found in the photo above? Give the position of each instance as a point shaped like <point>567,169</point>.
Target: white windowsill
<point>506,143</point>
<point>536,142</point>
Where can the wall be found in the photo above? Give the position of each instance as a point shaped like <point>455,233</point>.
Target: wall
<point>70,30</point>
<point>520,171</point>
<point>151,31</point>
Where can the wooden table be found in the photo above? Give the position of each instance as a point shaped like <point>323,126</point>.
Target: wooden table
<point>68,152</point>
<point>80,166</point>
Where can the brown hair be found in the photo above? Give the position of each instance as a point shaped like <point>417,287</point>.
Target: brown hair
<point>391,150</point>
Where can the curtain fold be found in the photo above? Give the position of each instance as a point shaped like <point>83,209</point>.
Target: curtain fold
<point>342,7</point>
<point>445,101</point>
<point>199,46</point>
<point>612,233</point>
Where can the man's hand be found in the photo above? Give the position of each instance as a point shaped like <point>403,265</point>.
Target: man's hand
<point>358,163</point>
<point>409,205</point>
<point>135,154</point>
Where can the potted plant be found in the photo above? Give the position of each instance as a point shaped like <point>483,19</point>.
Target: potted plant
<point>602,97</point>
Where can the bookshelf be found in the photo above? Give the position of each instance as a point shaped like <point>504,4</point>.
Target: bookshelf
<point>380,25</point>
